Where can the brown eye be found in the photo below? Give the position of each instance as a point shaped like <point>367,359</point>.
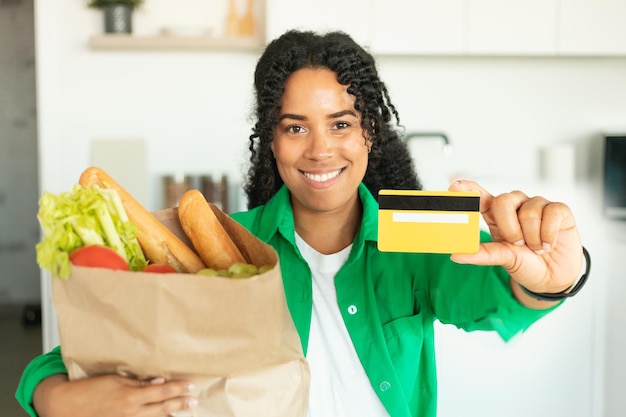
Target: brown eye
<point>295,129</point>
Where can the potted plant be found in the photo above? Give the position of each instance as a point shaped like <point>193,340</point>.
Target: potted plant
<point>117,14</point>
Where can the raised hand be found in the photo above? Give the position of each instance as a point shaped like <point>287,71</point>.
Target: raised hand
<point>534,239</point>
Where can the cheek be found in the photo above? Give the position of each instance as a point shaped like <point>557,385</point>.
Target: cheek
<point>283,154</point>
<point>280,151</point>
<point>358,148</point>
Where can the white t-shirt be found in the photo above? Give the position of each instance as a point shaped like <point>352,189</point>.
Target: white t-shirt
<point>339,385</point>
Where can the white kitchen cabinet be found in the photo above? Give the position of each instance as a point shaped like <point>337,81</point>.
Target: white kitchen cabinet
<point>418,27</point>
<point>464,27</point>
<point>350,16</point>
<point>592,27</point>
<point>426,27</point>
<point>512,27</point>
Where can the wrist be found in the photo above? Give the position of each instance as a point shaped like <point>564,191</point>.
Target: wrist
<point>568,292</point>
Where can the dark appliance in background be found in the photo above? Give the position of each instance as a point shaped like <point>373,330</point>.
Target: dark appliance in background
<point>614,177</point>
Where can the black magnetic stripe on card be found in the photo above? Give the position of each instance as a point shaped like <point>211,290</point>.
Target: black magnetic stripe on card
<point>428,202</point>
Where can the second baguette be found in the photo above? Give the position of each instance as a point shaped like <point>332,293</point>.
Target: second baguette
<point>211,241</point>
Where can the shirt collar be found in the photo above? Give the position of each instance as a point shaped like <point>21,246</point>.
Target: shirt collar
<point>369,223</point>
<point>278,217</point>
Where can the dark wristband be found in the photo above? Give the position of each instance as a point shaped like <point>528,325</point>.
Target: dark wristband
<point>548,296</point>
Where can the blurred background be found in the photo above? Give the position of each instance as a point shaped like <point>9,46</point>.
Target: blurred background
<point>523,92</point>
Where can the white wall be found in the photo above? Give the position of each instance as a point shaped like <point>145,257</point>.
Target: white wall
<point>615,403</point>
<point>191,110</point>
<point>494,108</point>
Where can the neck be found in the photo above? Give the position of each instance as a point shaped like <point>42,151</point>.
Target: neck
<point>329,232</point>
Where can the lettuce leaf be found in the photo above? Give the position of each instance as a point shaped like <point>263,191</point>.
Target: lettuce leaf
<point>80,217</point>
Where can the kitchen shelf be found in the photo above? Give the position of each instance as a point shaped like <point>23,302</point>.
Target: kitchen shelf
<point>169,42</point>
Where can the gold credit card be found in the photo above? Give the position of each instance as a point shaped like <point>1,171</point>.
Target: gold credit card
<point>428,221</point>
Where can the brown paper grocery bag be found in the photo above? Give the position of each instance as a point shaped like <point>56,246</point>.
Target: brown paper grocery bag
<point>234,338</point>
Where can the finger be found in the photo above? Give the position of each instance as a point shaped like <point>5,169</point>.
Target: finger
<point>556,217</point>
<point>531,219</point>
<point>504,214</point>
<point>157,393</point>
<point>166,408</point>
<point>146,382</point>
<point>156,381</point>
<point>465,185</point>
<point>139,383</point>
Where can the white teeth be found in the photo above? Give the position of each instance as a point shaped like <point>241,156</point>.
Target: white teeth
<point>322,177</point>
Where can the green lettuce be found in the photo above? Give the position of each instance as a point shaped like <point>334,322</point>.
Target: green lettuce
<point>80,217</point>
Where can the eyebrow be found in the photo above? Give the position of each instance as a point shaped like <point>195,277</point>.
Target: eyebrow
<point>330,116</point>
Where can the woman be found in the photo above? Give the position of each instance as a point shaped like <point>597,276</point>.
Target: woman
<point>322,147</point>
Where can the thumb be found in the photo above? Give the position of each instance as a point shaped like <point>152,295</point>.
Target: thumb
<point>486,197</point>
<point>489,253</point>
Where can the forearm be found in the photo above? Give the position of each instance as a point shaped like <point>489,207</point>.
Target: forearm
<point>40,368</point>
<point>44,397</point>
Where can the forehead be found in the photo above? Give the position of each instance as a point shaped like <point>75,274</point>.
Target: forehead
<point>315,88</point>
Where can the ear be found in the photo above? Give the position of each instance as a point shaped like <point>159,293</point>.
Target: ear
<point>272,148</point>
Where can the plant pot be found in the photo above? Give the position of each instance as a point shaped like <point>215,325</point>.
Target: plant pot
<point>118,18</point>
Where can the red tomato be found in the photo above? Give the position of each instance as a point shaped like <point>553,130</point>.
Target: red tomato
<point>98,256</point>
<point>159,268</point>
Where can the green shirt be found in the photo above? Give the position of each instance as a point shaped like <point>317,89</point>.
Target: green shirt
<point>389,302</point>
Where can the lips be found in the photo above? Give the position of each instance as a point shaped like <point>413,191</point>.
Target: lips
<point>322,177</point>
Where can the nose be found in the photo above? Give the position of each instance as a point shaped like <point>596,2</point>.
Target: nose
<point>321,145</point>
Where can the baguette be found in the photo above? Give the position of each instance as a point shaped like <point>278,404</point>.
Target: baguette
<point>248,244</point>
<point>214,245</point>
<point>158,243</point>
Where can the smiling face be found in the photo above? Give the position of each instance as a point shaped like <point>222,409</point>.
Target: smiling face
<point>320,149</point>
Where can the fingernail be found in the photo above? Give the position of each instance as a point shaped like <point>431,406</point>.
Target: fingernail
<point>157,380</point>
<point>192,402</point>
<point>190,387</point>
<point>547,247</point>
<point>454,260</point>
<point>519,242</point>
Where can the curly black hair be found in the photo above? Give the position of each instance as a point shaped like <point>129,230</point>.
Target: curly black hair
<point>390,164</point>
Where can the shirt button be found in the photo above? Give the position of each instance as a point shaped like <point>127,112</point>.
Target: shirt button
<point>384,386</point>
<point>352,309</point>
